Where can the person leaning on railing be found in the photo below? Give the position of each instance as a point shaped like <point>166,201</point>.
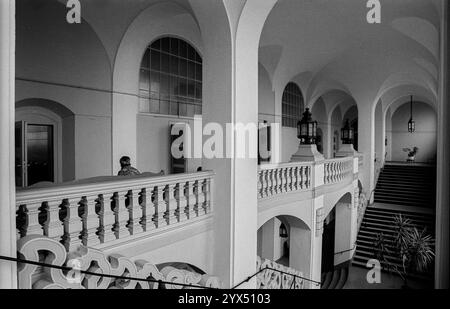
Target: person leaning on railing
<point>128,170</point>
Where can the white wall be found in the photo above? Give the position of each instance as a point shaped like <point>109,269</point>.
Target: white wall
<point>68,65</point>
<point>424,137</point>
<point>153,145</point>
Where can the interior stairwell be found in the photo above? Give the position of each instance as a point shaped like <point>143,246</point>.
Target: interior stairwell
<point>401,189</point>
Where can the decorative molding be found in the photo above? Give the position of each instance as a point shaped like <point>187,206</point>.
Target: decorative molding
<point>273,280</point>
<point>320,213</point>
<point>45,250</point>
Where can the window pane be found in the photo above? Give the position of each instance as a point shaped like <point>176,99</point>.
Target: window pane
<point>144,105</point>
<point>198,72</point>
<point>190,110</point>
<point>144,80</point>
<point>156,60</point>
<point>191,89</point>
<point>174,46</point>
<point>183,109</point>
<point>198,91</point>
<point>164,107</point>
<point>191,70</point>
<point>155,82</point>
<point>165,45</point>
<point>156,45</point>
<point>173,65</point>
<point>146,60</point>
<point>154,106</point>
<point>165,63</point>
<point>173,86</point>
<point>183,67</point>
<point>174,108</point>
<point>183,87</point>
<point>198,58</point>
<point>191,53</point>
<point>164,84</point>
<point>183,49</point>
<point>198,110</point>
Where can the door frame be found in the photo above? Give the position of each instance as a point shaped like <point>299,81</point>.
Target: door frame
<point>42,116</point>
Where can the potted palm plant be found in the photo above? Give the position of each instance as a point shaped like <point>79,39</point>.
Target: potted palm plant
<point>412,152</point>
<point>413,248</point>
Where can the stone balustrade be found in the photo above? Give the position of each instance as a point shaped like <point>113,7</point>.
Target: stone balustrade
<point>283,178</point>
<point>90,214</point>
<point>336,170</point>
<point>284,278</point>
<point>41,249</point>
<point>276,179</point>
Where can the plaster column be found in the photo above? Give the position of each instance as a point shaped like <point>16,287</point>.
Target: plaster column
<point>268,240</point>
<point>346,226</point>
<point>8,270</point>
<point>379,135</point>
<point>366,145</point>
<point>231,97</point>
<point>300,250</point>
<point>443,171</point>
<point>277,130</point>
<point>327,140</point>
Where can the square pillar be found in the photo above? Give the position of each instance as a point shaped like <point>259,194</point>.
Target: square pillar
<point>8,270</point>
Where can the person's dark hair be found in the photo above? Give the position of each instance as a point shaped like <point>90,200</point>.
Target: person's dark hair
<point>125,161</point>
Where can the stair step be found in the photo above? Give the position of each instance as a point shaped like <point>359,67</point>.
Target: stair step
<point>342,278</point>
<point>327,281</point>
<point>334,282</point>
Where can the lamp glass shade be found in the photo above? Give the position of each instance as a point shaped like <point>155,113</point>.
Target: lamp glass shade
<point>307,129</point>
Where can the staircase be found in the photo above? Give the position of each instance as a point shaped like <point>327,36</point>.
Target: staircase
<point>380,220</point>
<point>335,280</point>
<point>407,185</point>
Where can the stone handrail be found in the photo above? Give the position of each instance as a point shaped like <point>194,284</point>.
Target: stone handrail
<point>41,249</point>
<point>97,213</point>
<point>276,179</point>
<point>336,170</point>
<point>274,280</point>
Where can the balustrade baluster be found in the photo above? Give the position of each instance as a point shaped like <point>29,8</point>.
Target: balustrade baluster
<point>148,209</point>
<point>270,178</point>
<point>181,212</point>
<point>122,215</point>
<point>259,185</point>
<point>191,199</point>
<point>107,219</point>
<point>207,193</point>
<point>73,224</point>
<point>53,227</point>
<point>22,221</point>
<point>136,213</point>
<point>171,204</point>
<point>91,221</point>
<point>160,206</point>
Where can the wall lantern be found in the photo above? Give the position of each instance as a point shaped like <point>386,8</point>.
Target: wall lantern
<point>411,123</point>
<point>347,134</point>
<point>283,231</point>
<point>307,129</point>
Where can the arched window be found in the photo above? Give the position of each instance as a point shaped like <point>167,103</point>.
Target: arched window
<point>293,105</point>
<point>171,79</point>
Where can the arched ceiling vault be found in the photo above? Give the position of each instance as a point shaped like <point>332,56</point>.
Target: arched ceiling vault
<point>331,43</point>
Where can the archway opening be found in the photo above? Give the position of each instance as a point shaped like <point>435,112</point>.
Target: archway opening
<point>287,241</point>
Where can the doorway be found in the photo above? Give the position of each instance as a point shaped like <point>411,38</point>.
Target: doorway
<point>34,153</point>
